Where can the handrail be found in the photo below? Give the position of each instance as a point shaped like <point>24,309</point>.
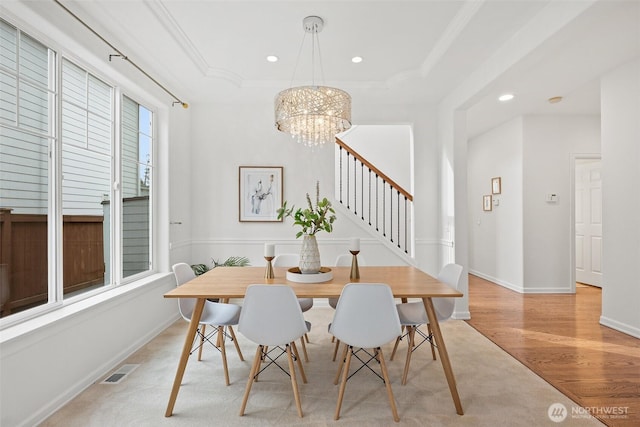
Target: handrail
<point>362,160</point>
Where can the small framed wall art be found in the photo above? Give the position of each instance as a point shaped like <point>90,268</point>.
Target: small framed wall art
<point>260,193</point>
<point>496,185</point>
<point>487,204</point>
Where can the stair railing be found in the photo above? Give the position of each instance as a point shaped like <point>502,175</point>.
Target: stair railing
<point>374,198</point>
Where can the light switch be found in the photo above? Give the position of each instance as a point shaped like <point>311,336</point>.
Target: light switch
<point>551,198</point>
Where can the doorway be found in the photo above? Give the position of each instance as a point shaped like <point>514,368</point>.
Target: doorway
<point>587,220</point>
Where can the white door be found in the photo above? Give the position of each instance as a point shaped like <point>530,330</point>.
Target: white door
<point>588,222</point>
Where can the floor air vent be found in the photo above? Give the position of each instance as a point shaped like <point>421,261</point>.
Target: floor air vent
<point>120,374</point>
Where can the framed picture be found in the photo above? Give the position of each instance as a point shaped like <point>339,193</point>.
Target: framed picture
<point>260,193</point>
<point>486,202</point>
<point>496,185</point>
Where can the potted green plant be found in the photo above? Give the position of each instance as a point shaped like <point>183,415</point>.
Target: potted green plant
<point>233,261</point>
<point>313,219</point>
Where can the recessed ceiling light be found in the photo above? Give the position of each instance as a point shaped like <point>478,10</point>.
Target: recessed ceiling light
<point>555,99</point>
<point>272,58</point>
<point>356,59</point>
<point>506,97</point>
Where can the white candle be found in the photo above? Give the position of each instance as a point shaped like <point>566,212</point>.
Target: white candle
<point>354,244</point>
<point>269,249</point>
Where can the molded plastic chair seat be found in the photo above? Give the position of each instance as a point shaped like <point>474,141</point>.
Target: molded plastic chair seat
<point>292,260</point>
<point>271,317</point>
<point>365,318</point>
<point>216,314</point>
<point>413,314</point>
<point>343,260</point>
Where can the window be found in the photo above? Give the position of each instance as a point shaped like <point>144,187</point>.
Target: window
<point>26,133</point>
<point>75,192</point>
<point>87,137</point>
<point>137,171</point>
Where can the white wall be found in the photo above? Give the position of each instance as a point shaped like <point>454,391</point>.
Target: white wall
<point>45,368</point>
<point>549,142</point>
<point>495,237</point>
<point>525,242</point>
<point>226,136</point>
<point>388,147</point>
<point>620,95</point>
<point>179,182</point>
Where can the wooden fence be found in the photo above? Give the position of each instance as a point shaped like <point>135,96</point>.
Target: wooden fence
<point>24,260</point>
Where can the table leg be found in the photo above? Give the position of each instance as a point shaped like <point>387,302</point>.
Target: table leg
<point>184,358</point>
<point>442,350</point>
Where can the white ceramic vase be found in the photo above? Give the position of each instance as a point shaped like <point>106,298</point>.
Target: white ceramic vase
<point>309,256</point>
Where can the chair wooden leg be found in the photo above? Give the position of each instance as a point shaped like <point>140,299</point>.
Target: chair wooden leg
<point>304,349</point>
<point>395,347</point>
<point>343,385</point>
<point>254,369</point>
<point>235,342</point>
<point>224,354</point>
<point>387,382</point>
<point>265,349</point>
<point>433,349</point>
<point>300,367</point>
<point>294,382</point>
<point>335,349</point>
<point>340,364</point>
<point>306,337</point>
<point>219,340</point>
<point>204,331</point>
<point>410,343</point>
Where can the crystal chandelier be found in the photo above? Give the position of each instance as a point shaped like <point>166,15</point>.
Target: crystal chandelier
<point>313,115</point>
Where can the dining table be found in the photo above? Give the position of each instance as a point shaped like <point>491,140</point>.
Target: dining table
<point>225,283</point>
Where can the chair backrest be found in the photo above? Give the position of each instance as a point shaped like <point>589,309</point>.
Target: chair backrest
<point>344,260</point>
<point>271,315</point>
<point>450,274</point>
<point>286,260</point>
<point>366,315</point>
<point>183,273</point>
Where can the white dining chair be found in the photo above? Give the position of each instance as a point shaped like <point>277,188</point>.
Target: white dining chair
<point>413,315</point>
<point>292,260</point>
<point>218,315</point>
<point>271,317</point>
<point>365,318</point>
<point>343,260</point>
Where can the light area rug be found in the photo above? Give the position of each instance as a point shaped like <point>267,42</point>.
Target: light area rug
<point>495,389</point>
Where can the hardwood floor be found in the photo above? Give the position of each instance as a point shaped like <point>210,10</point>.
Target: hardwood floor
<point>559,338</point>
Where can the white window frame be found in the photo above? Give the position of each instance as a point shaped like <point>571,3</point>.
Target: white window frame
<point>54,205</point>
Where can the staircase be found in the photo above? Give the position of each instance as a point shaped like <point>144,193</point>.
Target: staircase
<point>376,201</point>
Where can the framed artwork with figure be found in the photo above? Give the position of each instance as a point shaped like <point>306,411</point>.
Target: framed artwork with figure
<point>260,193</point>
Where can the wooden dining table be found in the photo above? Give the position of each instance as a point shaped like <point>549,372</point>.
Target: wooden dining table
<point>232,282</point>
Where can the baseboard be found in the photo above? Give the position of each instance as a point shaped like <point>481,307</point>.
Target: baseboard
<point>523,289</point>
<point>497,281</point>
<point>461,315</point>
<point>619,326</point>
<point>96,375</point>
